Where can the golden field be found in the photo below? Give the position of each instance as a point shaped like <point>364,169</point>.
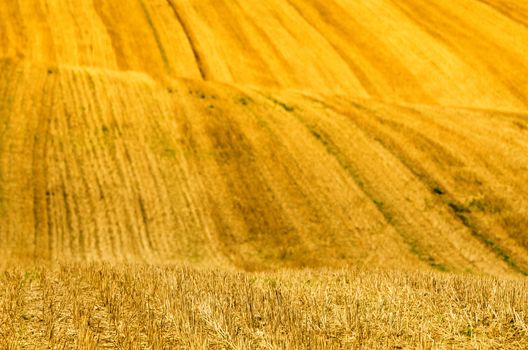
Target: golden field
<point>139,307</point>
<point>169,166</point>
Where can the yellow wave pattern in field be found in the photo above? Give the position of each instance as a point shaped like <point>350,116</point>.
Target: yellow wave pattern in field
<point>463,53</point>
<point>114,166</point>
<point>257,135</point>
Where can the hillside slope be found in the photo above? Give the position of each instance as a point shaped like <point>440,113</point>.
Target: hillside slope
<point>118,167</point>
<point>259,135</point>
<point>463,53</point>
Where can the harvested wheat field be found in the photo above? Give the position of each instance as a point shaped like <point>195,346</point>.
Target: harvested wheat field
<point>279,174</point>
<point>138,307</point>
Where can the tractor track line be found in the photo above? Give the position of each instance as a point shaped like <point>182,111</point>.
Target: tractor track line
<point>196,53</point>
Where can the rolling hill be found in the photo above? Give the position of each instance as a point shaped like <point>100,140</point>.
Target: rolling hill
<point>261,135</point>
<point>106,166</point>
<point>279,174</point>
<point>391,50</point>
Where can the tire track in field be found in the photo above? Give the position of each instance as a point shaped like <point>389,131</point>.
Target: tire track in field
<point>99,167</point>
<point>296,187</point>
<point>114,181</point>
<point>194,146</point>
<point>199,59</point>
<point>156,35</point>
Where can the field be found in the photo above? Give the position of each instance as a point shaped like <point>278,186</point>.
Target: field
<point>133,307</point>
<point>263,174</point>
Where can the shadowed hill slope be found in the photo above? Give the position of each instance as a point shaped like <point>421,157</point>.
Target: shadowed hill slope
<point>265,134</point>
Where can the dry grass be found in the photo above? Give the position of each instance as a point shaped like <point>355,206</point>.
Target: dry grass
<point>251,135</point>
<point>135,307</point>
